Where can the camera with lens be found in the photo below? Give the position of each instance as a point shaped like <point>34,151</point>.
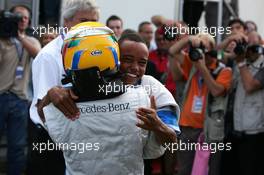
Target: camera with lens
<point>172,35</point>
<point>9,24</point>
<point>243,47</point>
<point>255,49</point>
<point>196,53</point>
<point>169,33</point>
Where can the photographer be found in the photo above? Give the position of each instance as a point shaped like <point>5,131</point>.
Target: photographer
<point>159,57</point>
<point>15,54</point>
<point>203,75</point>
<point>248,106</point>
<point>30,44</point>
<point>227,47</point>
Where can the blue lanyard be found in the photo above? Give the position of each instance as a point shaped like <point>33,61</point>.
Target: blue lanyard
<point>19,48</point>
<point>200,82</point>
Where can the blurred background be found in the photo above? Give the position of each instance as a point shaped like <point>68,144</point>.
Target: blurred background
<point>133,12</point>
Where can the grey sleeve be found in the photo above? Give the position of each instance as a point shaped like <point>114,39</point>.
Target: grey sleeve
<point>260,76</point>
<point>56,123</point>
<point>152,149</point>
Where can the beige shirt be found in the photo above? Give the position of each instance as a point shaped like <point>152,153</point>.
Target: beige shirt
<point>9,62</point>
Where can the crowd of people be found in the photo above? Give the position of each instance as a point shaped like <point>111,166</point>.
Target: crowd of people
<point>199,91</point>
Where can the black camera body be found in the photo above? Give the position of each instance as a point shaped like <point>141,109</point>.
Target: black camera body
<point>170,36</point>
<point>9,24</point>
<point>170,33</point>
<point>256,49</point>
<point>241,48</point>
<point>196,53</point>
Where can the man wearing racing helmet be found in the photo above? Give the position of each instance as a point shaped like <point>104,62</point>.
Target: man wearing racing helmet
<point>90,57</point>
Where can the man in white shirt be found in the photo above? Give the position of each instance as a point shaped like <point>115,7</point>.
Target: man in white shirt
<point>47,70</point>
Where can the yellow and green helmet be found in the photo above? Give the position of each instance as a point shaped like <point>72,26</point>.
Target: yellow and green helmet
<point>90,44</point>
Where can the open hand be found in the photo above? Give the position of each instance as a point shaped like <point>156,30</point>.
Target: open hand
<point>148,118</point>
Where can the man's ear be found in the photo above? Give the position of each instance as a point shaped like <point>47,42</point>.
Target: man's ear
<point>67,23</point>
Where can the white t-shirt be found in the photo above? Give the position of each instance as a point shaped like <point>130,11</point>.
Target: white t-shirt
<point>47,71</point>
<point>115,144</point>
<point>164,100</point>
<point>153,46</point>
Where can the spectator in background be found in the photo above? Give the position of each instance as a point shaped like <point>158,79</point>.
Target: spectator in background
<point>229,43</point>
<point>251,26</point>
<point>160,58</point>
<point>116,24</point>
<point>145,30</point>
<point>227,47</point>
<point>198,75</point>
<point>15,54</point>
<point>237,26</point>
<point>248,108</point>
